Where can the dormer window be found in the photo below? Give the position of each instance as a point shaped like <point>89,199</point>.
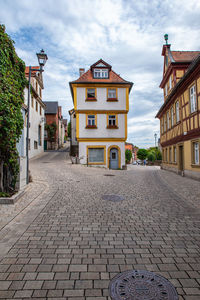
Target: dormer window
<point>100,73</point>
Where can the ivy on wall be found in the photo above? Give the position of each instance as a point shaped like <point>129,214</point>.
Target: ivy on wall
<point>12,84</point>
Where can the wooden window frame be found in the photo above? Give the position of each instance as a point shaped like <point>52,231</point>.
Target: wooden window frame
<point>112,99</point>
<point>174,151</point>
<point>116,121</point>
<point>195,100</point>
<point>90,98</point>
<point>91,126</point>
<point>172,116</point>
<point>96,146</point>
<point>177,102</point>
<point>193,142</point>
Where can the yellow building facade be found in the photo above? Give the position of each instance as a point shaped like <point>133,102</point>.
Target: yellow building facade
<point>180,113</point>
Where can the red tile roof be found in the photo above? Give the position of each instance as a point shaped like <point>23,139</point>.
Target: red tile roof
<point>88,77</point>
<point>184,56</point>
<point>33,72</point>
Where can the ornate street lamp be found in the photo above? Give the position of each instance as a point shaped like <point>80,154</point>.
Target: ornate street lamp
<point>42,58</point>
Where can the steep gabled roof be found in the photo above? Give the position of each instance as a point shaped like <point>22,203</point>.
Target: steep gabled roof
<point>184,56</point>
<point>51,107</point>
<point>88,77</point>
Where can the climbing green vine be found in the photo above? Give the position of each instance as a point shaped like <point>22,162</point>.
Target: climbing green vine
<point>12,84</point>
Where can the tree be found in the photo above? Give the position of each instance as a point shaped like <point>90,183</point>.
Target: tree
<point>69,129</point>
<point>142,154</point>
<point>51,132</point>
<point>128,155</point>
<point>151,156</point>
<point>12,84</point>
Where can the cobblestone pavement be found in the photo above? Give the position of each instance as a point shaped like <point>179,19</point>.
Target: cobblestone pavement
<point>67,242</point>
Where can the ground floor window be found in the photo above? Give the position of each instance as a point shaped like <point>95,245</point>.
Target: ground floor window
<point>175,154</point>
<point>96,155</point>
<point>170,154</point>
<point>35,145</point>
<point>196,152</point>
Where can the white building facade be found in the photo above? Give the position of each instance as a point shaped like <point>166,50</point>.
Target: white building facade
<point>36,124</point>
<point>101,105</point>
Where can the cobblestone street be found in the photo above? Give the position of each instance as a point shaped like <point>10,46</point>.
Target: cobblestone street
<point>62,240</point>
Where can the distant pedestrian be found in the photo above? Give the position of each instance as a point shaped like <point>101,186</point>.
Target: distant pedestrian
<point>144,162</point>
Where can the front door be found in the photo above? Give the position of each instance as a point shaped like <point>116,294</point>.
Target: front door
<point>114,158</point>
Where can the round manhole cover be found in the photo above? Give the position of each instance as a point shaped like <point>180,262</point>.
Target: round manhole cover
<point>141,285</point>
<point>113,198</point>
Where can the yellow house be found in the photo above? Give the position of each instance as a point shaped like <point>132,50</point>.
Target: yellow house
<point>180,113</point>
<point>101,105</point>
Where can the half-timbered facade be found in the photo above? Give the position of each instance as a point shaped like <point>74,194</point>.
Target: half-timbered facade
<point>101,105</point>
<point>180,113</point>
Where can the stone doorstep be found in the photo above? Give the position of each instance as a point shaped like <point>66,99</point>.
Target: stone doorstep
<point>14,198</point>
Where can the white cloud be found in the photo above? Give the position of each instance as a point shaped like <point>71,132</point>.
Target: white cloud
<point>128,34</point>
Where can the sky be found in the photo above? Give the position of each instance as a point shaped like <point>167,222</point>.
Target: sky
<point>127,34</point>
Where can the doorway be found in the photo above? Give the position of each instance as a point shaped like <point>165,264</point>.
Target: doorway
<point>181,160</point>
<point>114,159</point>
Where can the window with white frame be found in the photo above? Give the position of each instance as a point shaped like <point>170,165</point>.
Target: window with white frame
<point>166,90</point>
<point>196,153</point>
<point>172,116</point>
<point>177,112</point>
<point>96,155</point>
<point>91,120</point>
<point>90,93</point>
<point>100,73</point>
<point>112,94</point>
<point>170,82</point>
<point>175,154</point>
<point>193,100</point>
<point>112,120</point>
<point>167,120</point>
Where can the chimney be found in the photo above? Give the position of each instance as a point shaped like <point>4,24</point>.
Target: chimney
<point>81,71</point>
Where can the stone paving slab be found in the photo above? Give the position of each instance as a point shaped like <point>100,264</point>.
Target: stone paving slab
<point>69,242</point>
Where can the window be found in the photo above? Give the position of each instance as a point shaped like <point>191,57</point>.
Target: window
<point>166,156</point>
<point>170,83</point>
<point>36,86</point>
<point>36,105</point>
<point>39,135</point>
<point>40,109</point>
<point>170,154</point>
<point>91,121</point>
<point>32,101</point>
<point>100,73</point>
<point>196,153</point>
<point>193,101</point>
<point>177,112</point>
<point>175,154</point>
<point>112,120</point>
<point>96,155</point>
<point>164,121</point>
<point>112,94</point>
<point>90,94</point>
<point>40,93</point>
<point>172,117</point>
<point>35,144</point>
<point>167,120</point>
<point>166,90</point>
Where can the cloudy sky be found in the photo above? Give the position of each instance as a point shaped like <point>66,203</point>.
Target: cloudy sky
<point>128,34</point>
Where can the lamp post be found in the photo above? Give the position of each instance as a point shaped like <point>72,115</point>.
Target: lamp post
<point>42,58</point>
<point>155,136</point>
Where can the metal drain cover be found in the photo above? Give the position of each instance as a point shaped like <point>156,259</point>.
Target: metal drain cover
<point>109,175</point>
<point>141,285</point>
<point>113,198</point>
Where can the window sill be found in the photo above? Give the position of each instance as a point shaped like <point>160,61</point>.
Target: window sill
<point>91,99</point>
<point>112,100</point>
<point>91,127</point>
<point>193,113</point>
<point>112,127</point>
<point>195,165</point>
